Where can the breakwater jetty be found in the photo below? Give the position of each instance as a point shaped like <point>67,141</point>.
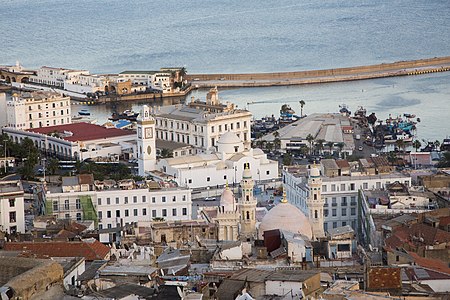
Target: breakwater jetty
<point>400,68</point>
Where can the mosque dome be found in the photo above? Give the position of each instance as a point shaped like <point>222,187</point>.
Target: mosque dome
<point>288,217</point>
<point>227,199</point>
<point>229,142</point>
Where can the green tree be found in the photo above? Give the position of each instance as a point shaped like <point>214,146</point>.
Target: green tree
<point>340,146</point>
<point>310,140</point>
<point>269,146</point>
<point>304,150</point>
<point>392,157</point>
<point>277,143</point>
<point>287,159</point>
<point>53,166</point>
<point>417,144</point>
<point>320,145</point>
<point>166,153</point>
<point>330,146</point>
<point>444,162</point>
<point>302,103</point>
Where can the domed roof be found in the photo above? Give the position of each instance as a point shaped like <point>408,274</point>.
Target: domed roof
<point>314,172</point>
<point>227,199</point>
<point>287,217</point>
<point>229,138</point>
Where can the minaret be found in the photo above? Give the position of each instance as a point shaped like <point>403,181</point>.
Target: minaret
<point>315,202</point>
<point>146,145</point>
<point>247,206</point>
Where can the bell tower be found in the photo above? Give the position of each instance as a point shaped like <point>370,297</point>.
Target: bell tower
<point>315,202</point>
<point>146,145</point>
<point>247,206</point>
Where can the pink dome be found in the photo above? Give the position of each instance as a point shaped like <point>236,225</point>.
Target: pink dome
<point>288,217</point>
<point>227,200</point>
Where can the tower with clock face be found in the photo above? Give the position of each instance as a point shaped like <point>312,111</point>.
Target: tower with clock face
<point>146,145</point>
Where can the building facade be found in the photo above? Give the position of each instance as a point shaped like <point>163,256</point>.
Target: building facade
<point>156,80</point>
<point>118,207</point>
<point>55,76</point>
<point>12,211</point>
<point>200,124</point>
<point>339,194</point>
<point>37,109</point>
<point>146,145</point>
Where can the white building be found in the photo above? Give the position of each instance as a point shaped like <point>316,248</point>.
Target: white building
<point>37,109</point>
<point>3,118</point>
<point>200,124</point>
<point>86,83</point>
<point>78,140</point>
<point>116,207</point>
<point>157,80</point>
<point>12,211</point>
<point>340,193</point>
<point>55,76</point>
<point>221,166</point>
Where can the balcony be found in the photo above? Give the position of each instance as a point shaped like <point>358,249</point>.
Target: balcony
<point>334,204</point>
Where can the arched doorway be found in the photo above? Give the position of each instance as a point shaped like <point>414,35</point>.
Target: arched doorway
<point>8,80</point>
<point>13,79</point>
<point>24,80</point>
<point>2,77</point>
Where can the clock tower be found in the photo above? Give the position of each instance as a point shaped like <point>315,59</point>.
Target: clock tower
<point>146,145</point>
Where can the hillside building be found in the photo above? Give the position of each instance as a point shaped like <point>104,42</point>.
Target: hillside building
<point>12,211</point>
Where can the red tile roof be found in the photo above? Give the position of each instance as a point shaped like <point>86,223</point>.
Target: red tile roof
<point>433,264</point>
<point>83,131</point>
<point>90,249</point>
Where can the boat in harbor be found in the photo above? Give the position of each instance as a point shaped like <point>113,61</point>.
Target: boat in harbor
<point>125,115</point>
<point>84,112</point>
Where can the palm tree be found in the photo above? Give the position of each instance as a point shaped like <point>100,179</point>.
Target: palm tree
<point>269,147</point>
<point>302,103</point>
<point>310,140</point>
<point>319,145</point>
<point>417,144</point>
<point>277,143</point>
<point>330,146</point>
<point>53,165</point>
<point>341,146</point>
<point>400,144</point>
<point>436,145</point>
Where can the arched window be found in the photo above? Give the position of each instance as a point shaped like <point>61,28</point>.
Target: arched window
<point>247,197</point>
<point>315,214</point>
<point>315,196</point>
<point>248,215</point>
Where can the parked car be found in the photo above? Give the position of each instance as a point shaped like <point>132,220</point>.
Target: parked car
<point>210,199</point>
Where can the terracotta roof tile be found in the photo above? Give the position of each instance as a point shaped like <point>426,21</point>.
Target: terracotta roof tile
<point>89,249</point>
<point>433,264</point>
<point>83,131</point>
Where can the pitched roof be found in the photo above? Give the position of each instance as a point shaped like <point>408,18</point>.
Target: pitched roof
<point>82,132</point>
<point>432,264</point>
<point>90,249</point>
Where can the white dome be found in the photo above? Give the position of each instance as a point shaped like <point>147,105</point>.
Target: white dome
<point>229,143</point>
<point>227,199</point>
<point>314,172</point>
<point>229,138</point>
<point>286,216</point>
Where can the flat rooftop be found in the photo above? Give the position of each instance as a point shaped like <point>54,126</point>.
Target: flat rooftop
<point>82,132</point>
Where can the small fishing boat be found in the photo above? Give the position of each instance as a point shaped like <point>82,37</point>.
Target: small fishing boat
<point>84,112</point>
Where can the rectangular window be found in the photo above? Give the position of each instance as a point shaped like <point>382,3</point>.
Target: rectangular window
<point>154,213</point>
<point>108,214</point>
<point>109,226</point>
<point>67,216</point>
<point>238,125</point>
<point>353,211</point>
<point>212,129</point>
<point>333,212</point>
<point>174,212</point>
<point>66,204</point>
<point>100,214</point>
<point>144,199</point>
<point>127,214</point>
<point>164,212</point>
<point>353,200</point>
<point>99,201</point>
<point>325,213</point>
<point>108,201</point>
<point>174,198</point>
<point>78,204</point>
<point>125,200</point>
<point>344,212</point>
<point>12,217</point>
<point>208,178</point>
<point>245,124</point>
<point>231,126</point>
<point>333,201</point>
<point>343,247</point>
<point>344,201</point>
<point>12,202</point>
<point>153,199</point>
<point>184,197</point>
<point>78,216</point>
<point>365,185</point>
<point>378,185</point>
<point>100,226</point>
<point>342,187</point>
<point>144,211</point>
<point>134,199</point>
<point>333,187</point>
<point>220,128</point>
<point>184,211</point>
<point>334,224</point>
<point>163,198</point>
<point>135,212</point>
<point>324,188</point>
<point>117,213</point>
<point>352,186</point>
<point>55,205</point>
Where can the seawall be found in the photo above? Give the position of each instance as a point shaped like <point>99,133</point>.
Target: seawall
<point>401,68</point>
